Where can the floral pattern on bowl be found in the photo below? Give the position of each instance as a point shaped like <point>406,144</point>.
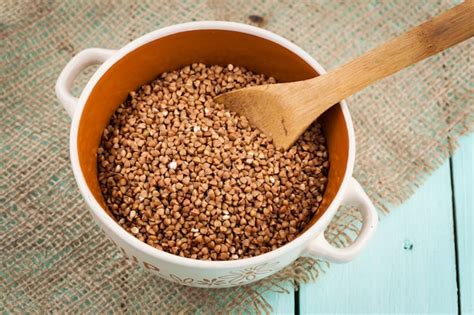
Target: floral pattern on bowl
<point>233,278</point>
<point>249,274</point>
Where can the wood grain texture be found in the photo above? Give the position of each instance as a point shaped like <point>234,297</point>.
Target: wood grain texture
<point>463,186</point>
<point>409,267</point>
<point>284,111</point>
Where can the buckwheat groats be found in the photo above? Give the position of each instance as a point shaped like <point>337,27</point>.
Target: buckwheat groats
<point>187,176</point>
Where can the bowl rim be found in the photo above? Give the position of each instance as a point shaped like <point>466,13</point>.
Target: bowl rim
<point>104,219</point>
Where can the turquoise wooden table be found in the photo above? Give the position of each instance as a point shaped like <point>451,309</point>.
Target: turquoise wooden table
<point>420,261</point>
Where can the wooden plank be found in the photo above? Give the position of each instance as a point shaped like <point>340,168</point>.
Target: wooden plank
<point>463,183</point>
<point>282,303</point>
<point>409,267</point>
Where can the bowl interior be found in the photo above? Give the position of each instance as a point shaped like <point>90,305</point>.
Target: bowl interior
<point>210,47</point>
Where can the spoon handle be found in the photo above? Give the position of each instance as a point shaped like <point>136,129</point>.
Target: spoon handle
<point>423,41</point>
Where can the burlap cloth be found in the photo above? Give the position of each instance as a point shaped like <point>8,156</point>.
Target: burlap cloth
<point>54,258</point>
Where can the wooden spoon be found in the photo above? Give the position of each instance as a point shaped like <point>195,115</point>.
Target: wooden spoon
<point>284,111</point>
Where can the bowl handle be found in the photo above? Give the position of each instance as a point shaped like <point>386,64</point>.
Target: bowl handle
<point>354,196</point>
<point>79,62</point>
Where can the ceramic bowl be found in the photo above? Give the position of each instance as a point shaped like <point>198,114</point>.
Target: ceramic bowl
<point>173,47</point>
